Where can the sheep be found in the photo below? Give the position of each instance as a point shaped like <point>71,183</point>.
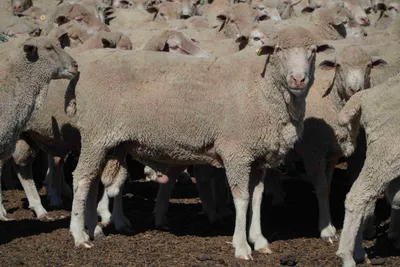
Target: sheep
<point>211,11</point>
<point>20,26</point>
<point>381,165</point>
<point>18,6</point>
<point>66,12</point>
<point>387,17</point>
<point>267,9</point>
<point>103,39</point>
<point>41,59</point>
<point>182,9</point>
<point>199,148</point>
<point>69,34</point>
<point>319,147</point>
<point>42,129</point>
<point>37,57</point>
<point>175,42</point>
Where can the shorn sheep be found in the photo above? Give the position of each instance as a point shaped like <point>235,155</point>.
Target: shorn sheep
<point>25,79</point>
<point>244,120</point>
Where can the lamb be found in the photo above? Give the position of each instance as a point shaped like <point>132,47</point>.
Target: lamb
<point>381,165</point>
<point>213,143</point>
<point>175,42</point>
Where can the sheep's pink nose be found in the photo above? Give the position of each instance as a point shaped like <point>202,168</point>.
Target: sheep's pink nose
<point>364,21</point>
<point>297,80</point>
<point>17,8</point>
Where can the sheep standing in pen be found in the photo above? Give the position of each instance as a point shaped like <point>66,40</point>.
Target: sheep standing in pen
<point>21,94</point>
<point>320,148</point>
<point>242,123</point>
<point>376,110</point>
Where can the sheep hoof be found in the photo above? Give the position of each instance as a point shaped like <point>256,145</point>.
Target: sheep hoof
<point>5,218</point>
<point>243,252</point>
<point>265,250</point>
<point>85,244</point>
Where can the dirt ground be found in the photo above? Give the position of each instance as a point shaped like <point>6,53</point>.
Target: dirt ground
<point>191,240</point>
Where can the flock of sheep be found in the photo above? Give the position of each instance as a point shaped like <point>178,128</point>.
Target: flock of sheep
<point>242,93</point>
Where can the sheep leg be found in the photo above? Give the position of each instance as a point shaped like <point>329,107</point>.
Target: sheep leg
<point>393,195</point>
<point>256,192</point>
<point>85,173</point>
<point>163,196</point>
<point>121,223</point>
<point>91,210</point>
<point>23,156</point>
<point>204,178</point>
<point>3,211</point>
<point>238,178</point>
<point>361,197</point>
<point>103,210</point>
<point>53,178</point>
<point>317,172</point>
<point>221,194</point>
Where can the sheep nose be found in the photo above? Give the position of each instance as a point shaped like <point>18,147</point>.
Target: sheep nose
<point>364,21</point>
<point>239,38</point>
<point>185,16</point>
<point>298,80</point>
<point>17,8</point>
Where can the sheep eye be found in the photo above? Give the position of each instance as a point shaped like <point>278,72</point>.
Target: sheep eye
<point>49,47</point>
<point>232,21</point>
<point>256,39</point>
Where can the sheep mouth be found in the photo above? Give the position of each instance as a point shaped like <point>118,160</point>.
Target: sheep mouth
<point>297,91</point>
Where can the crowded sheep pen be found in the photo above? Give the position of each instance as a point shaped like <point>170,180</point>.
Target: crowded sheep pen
<point>200,133</point>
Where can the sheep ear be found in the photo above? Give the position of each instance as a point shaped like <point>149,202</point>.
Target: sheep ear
<point>152,9</point>
<point>64,40</point>
<point>31,52</point>
<point>379,63</point>
<point>267,49</point>
<point>194,41</point>
<point>294,2</point>
<point>222,17</point>
<point>307,9</point>
<point>60,20</point>
<point>326,48</point>
<point>327,65</point>
<point>106,43</point>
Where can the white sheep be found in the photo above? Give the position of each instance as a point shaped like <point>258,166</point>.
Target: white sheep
<point>23,96</point>
<point>382,165</point>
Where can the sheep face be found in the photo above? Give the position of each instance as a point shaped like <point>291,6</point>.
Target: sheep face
<point>268,9</point>
<point>69,34</point>
<point>353,29</point>
<point>285,8</point>
<point>18,6</point>
<point>293,54</point>
<point>353,68</point>
<point>357,11</point>
<point>89,22</point>
<point>237,21</point>
<point>188,8</point>
<point>122,4</point>
<point>257,38</point>
<point>52,56</point>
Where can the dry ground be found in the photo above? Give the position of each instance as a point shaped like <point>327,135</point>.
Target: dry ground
<point>191,241</point>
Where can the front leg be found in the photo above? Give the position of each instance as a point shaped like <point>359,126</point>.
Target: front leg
<point>256,192</point>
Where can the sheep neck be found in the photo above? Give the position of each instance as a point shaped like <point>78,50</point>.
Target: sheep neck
<point>295,105</point>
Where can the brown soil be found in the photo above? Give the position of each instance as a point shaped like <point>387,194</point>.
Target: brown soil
<point>191,241</point>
